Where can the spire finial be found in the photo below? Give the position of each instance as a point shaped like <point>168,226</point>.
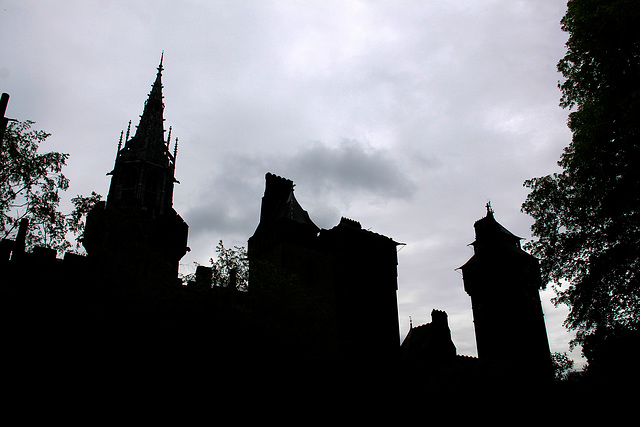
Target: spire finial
<point>489,208</point>
<point>161,59</point>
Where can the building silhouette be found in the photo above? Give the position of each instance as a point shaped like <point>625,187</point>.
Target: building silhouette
<point>136,234</point>
<point>348,273</point>
<point>503,282</point>
<point>314,295</point>
<point>431,342</point>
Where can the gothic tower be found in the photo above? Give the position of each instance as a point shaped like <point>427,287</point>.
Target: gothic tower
<point>137,233</point>
<point>337,279</point>
<point>503,282</point>
<point>287,271</point>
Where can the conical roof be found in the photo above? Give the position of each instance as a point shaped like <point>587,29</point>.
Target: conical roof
<point>492,238</point>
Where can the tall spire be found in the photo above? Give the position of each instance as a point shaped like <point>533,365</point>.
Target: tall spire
<point>144,170</point>
<point>151,127</point>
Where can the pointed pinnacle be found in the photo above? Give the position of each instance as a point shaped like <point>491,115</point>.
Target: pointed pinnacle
<point>120,142</point>
<point>128,131</point>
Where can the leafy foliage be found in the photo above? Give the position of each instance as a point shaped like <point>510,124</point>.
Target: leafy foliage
<point>75,221</point>
<point>562,364</point>
<point>30,183</point>
<point>230,267</point>
<point>587,217</point>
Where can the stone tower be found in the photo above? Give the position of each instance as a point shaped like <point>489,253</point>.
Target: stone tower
<point>364,267</point>
<point>342,280</point>
<point>288,275</point>
<point>136,234</point>
<point>503,282</point>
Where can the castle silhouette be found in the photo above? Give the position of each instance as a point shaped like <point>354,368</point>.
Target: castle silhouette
<point>123,303</point>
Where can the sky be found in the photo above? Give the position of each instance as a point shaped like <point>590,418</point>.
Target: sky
<point>407,116</point>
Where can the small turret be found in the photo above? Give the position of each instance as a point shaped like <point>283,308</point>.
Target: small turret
<point>503,282</point>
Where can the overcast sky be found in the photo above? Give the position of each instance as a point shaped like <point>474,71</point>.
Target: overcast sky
<point>407,116</point>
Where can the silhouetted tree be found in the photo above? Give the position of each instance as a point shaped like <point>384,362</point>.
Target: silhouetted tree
<point>587,217</point>
<point>561,365</point>
<point>230,268</point>
<point>30,183</point>
<point>76,219</point>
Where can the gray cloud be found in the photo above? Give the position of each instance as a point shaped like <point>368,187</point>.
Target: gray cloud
<point>352,168</point>
<point>327,175</point>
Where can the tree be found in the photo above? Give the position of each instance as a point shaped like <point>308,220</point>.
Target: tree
<point>562,364</point>
<point>75,221</point>
<point>231,267</point>
<point>30,183</point>
<point>587,217</point>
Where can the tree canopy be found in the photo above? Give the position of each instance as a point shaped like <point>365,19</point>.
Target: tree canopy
<point>231,267</point>
<point>587,217</point>
<point>30,186</point>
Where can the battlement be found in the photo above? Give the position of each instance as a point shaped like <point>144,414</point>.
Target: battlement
<point>277,186</point>
<point>350,223</point>
<point>439,317</point>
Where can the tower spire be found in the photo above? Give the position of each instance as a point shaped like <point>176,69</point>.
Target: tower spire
<point>151,127</point>
<point>144,169</point>
<point>138,222</point>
